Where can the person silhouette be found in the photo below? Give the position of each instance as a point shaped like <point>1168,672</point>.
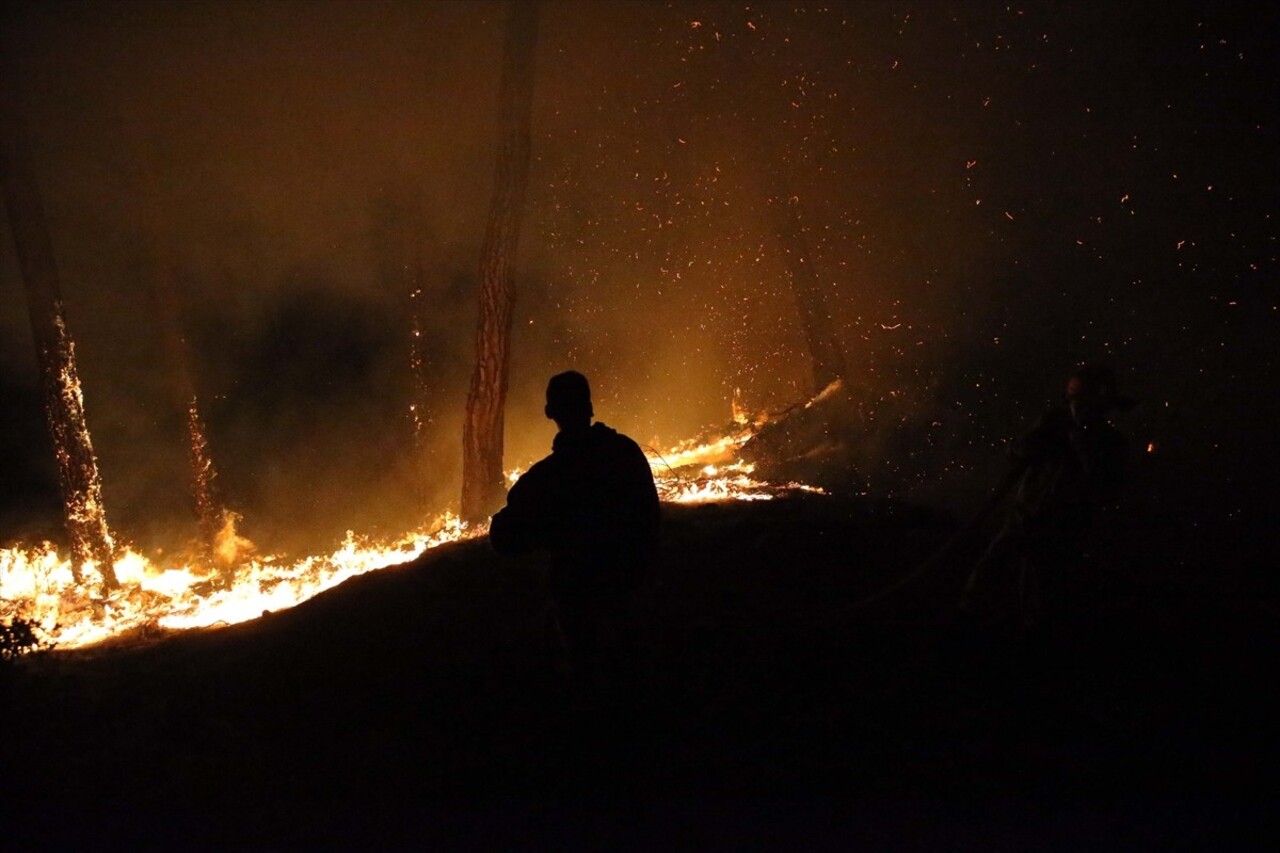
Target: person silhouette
<point>592,505</point>
<point>1064,471</point>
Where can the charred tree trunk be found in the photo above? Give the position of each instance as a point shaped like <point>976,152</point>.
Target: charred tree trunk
<point>482,483</point>
<point>401,240</point>
<point>399,232</point>
<point>55,351</point>
<point>815,316</point>
<point>421,372</point>
<point>211,513</point>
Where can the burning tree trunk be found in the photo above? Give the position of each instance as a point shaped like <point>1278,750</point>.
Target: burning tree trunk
<point>204,494</point>
<point>399,233</point>
<point>815,317</point>
<point>422,405</point>
<point>55,352</point>
<point>482,484</point>
<point>211,514</point>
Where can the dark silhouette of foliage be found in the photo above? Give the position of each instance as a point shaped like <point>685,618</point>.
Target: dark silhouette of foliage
<point>19,637</point>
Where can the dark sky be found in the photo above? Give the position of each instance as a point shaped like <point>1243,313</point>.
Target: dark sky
<point>992,192</point>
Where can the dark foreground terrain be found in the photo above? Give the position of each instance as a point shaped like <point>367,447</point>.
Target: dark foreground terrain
<point>421,707</point>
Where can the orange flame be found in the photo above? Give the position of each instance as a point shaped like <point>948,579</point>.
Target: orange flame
<point>38,584</point>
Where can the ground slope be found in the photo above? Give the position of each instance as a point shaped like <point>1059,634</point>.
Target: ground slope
<point>422,704</point>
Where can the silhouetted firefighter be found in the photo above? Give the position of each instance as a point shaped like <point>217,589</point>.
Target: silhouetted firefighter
<point>55,351</point>
<point>593,506</point>
<point>482,481</point>
<point>1064,471</point>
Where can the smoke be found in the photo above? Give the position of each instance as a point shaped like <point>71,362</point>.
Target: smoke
<point>989,195</point>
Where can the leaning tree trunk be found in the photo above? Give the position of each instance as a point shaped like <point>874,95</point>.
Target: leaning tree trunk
<point>55,351</point>
<point>482,483</point>
<point>815,316</point>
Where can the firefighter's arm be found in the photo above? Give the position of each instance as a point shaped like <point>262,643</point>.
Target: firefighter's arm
<point>645,491</point>
<point>518,527</point>
<point>1037,445</point>
<point>1101,458</point>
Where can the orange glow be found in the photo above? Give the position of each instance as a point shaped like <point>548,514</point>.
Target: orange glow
<point>38,584</point>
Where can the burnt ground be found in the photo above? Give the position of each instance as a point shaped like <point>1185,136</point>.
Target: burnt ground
<point>420,706</point>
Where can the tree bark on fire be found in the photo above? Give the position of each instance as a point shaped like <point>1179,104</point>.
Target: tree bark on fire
<point>211,513</point>
<point>400,236</point>
<point>482,432</point>
<point>422,396</point>
<point>78,475</point>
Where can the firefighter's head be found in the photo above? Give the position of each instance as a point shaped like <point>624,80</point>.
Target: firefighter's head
<point>1092,395</point>
<point>569,400</point>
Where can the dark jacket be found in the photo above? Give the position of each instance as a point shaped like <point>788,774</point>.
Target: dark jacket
<point>1069,473</point>
<point>592,504</point>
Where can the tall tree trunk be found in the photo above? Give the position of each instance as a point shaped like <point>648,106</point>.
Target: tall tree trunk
<point>482,482</point>
<point>421,375</point>
<point>211,513</point>
<point>55,350</point>
<point>400,237</point>
<point>815,315</point>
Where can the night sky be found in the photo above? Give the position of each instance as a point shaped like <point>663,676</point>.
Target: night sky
<point>992,192</point>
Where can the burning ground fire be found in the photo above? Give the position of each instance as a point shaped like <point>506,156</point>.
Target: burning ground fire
<point>39,585</point>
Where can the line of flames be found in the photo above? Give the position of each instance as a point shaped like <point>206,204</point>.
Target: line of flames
<point>37,583</point>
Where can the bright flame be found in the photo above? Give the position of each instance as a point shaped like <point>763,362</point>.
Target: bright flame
<point>729,482</point>
<point>229,547</point>
<point>712,469</point>
<point>740,414</point>
<point>37,583</point>
<point>77,465</point>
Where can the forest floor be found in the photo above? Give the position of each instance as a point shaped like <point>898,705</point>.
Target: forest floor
<point>422,706</point>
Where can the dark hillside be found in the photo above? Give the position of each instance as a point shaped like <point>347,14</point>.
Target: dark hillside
<point>420,705</point>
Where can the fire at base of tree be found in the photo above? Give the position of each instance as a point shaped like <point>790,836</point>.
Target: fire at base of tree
<point>39,587</point>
